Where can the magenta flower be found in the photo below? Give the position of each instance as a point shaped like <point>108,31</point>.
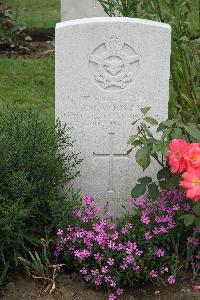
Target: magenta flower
<point>136,268</point>
<point>84,271</point>
<point>112,283</point>
<point>129,259</point>
<point>105,270</point>
<point>111,225</point>
<point>110,214</point>
<point>171,279</point>
<point>164,270</point>
<point>193,241</point>
<point>119,292</point>
<point>60,232</point>
<point>87,200</point>
<point>160,253</point>
<point>112,297</point>
<point>77,213</point>
<point>87,278</point>
<point>110,261</point>
<point>154,274</point>
<point>148,236</point>
<point>145,219</point>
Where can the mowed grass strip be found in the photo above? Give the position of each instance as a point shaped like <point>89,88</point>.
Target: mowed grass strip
<point>40,15</point>
<point>28,83</point>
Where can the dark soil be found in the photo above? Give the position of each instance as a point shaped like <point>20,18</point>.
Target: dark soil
<point>71,287</point>
<point>34,49</point>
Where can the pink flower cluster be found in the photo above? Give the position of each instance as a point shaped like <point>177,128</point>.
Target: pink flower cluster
<point>106,252</point>
<point>96,242</point>
<point>185,157</point>
<point>160,217</point>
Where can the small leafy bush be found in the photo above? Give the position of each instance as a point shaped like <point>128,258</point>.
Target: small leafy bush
<point>150,243</point>
<point>152,140</point>
<point>37,162</point>
<point>12,32</point>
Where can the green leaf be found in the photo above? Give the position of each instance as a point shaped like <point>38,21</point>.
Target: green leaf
<point>149,133</point>
<point>161,127</point>
<point>152,141</point>
<point>197,209</point>
<point>150,121</point>
<point>132,138</point>
<point>129,151</point>
<point>157,147</point>
<point>163,173</point>
<point>177,133</point>
<point>153,191</point>
<point>138,190</point>
<point>188,219</point>
<point>173,182</point>
<point>164,150</point>
<point>145,110</point>
<point>163,184</point>
<point>143,158</point>
<point>137,143</point>
<point>168,123</point>
<point>197,221</point>
<point>193,130</point>
<point>145,180</point>
<point>166,133</point>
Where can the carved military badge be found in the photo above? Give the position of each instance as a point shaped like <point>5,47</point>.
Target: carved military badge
<point>113,60</point>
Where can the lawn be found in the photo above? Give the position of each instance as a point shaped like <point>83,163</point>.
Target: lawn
<point>28,83</point>
<point>40,15</point>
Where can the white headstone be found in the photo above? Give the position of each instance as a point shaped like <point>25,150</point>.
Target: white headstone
<point>78,9</point>
<point>106,69</point>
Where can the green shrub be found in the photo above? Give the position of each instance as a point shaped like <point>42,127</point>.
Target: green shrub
<point>12,32</point>
<point>183,18</point>
<point>36,162</point>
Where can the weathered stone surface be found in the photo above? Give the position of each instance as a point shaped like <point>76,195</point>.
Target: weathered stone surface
<point>78,9</point>
<point>106,69</point>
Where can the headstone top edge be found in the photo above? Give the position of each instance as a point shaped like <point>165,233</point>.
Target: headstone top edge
<point>112,20</point>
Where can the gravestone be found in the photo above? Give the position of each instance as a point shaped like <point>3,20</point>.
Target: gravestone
<point>78,9</point>
<point>106,70</point>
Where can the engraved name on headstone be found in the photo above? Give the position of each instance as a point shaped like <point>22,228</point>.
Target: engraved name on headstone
<point>106,69</point>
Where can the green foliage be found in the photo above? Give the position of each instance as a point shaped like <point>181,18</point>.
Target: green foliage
<point>190,219</point>
<point>12,32</point>
<point>152,144</point>
<point>183,18</point>
<point>37,161</point>
<point>38,264</point>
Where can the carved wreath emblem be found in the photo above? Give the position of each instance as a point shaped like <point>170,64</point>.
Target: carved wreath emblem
<point>113,60</point>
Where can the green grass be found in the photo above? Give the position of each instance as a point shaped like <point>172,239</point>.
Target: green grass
<point>40,15</point>
<point>28,83</point>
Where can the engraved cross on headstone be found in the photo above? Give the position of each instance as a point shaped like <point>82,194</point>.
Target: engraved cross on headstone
<point>111,156</point>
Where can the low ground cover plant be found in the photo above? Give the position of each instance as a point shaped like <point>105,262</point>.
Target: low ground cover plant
<point>37,161</point>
